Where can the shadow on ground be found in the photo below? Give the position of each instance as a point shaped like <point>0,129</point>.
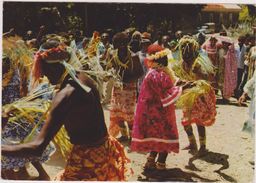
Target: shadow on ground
<point>234,103</point>
<point>173,174</point>
<point>213,158</point>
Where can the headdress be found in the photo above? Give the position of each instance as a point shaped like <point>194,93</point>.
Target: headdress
<point>185,42</point>
<point>155,53</point>
<point>56,55</point>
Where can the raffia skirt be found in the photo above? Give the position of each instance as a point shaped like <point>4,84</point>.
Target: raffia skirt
<point>203,112</point>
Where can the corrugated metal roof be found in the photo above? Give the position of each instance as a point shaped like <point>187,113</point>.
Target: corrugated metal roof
<point>222,8</point>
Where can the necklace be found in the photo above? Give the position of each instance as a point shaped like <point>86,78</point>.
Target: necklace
<point>119,62</point>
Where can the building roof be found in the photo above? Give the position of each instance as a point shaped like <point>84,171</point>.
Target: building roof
<point>222,8</point>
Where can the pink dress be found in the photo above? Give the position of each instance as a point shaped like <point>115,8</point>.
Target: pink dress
<point>155,128</point>
<point>230,74</point>
<point>212,52</point>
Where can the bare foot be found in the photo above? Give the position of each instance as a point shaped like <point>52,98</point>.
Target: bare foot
<point>44,177</point>
<point>192,149</point>
<point>202,152</point>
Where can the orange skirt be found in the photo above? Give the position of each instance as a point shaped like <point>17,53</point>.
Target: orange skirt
<point>123,103</point>
<point>108,162</point>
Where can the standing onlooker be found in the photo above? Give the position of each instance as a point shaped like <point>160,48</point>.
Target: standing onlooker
<point>104,45</point>
<point>104,49</point>
<point>178,35</point>
<point>159,35</point>
<point>211,46</point>
<point>249,44</point>
<point>240,51</point>
<point>142,55</point>
<point>227,73</point>
<point>165,42</point>
<point>135,42</point>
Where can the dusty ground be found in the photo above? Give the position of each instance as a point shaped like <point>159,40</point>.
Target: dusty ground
<point>230,150</point>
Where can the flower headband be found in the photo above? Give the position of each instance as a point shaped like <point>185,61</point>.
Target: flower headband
<point>158,55</point>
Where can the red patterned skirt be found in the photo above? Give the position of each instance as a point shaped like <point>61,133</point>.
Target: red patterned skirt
<point>108,162</point>
<point>203,111</point>
<point>123,103</point>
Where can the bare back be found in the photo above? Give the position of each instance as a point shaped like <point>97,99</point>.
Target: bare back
<point>82,113</point>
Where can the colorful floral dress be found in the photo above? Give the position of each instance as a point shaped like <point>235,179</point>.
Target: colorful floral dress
<point>123,100</point>
<point>154,127</point>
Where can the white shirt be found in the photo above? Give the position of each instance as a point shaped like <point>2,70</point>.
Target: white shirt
<point>240,55</point>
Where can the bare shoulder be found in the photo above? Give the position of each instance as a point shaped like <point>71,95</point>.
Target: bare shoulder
<point>62,96</point>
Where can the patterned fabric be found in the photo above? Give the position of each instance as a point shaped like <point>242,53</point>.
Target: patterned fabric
<point>212,52</point>
<point>221,68</point>
<point>11,92</point>
<point>155,127</point>
<point>213,56</point>
<point>16,132</point>
<point>107,162</point>
<point>230,73</point>
<point>203,111</point>
<point>123,104</point>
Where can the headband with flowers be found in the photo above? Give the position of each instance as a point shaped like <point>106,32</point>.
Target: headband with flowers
<point>158,55</point>
<point>149,61</point>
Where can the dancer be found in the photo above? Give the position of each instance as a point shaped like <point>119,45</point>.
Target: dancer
<point>198,103</point>
<point>95,155</point>
<point>155,128</point>
<point>123,101</point>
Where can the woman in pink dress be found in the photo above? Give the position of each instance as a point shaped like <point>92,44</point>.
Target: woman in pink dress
<point>227,68</point>
<point>154,128</point>
<point>211,46</point>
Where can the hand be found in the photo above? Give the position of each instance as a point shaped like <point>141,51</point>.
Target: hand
<point>241,99</point>
<point>7,112</point>
<point>181,82</point>
<point>188,85</point>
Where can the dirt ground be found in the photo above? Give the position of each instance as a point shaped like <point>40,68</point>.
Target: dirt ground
<point>228,160</point>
